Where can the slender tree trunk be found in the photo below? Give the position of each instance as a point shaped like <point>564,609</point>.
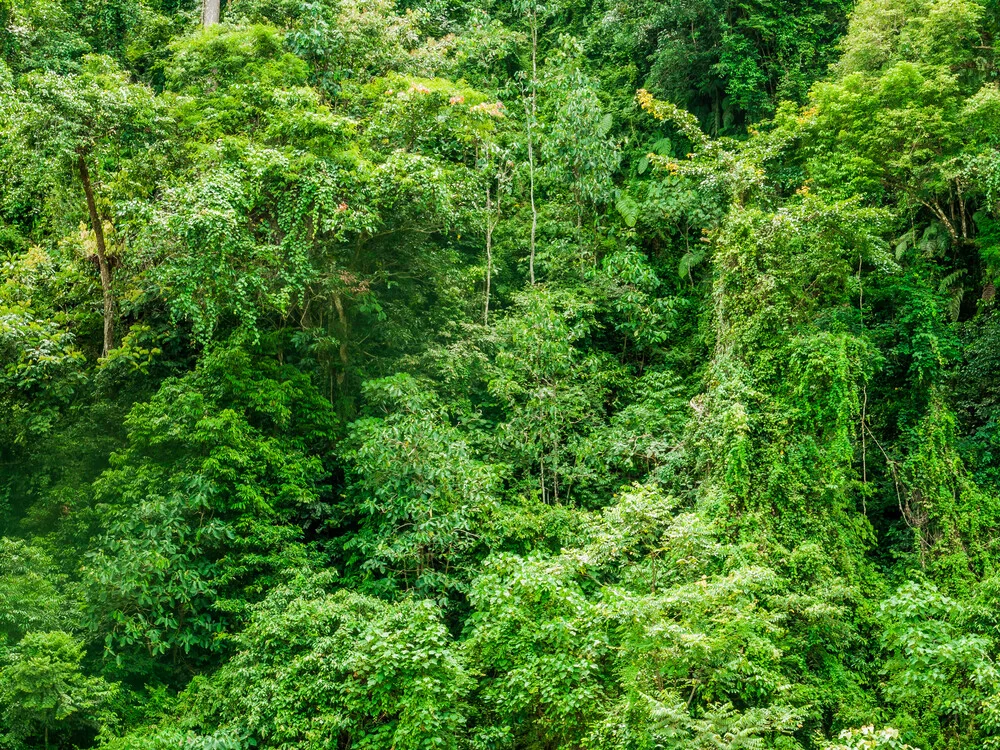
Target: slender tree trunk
<point>210,12</point>
<point>541,476</point>
<point>489,251</point>
<point>344,329</point>
<point>534,209</point>
<point>102,256</point>
<point>531,144</point>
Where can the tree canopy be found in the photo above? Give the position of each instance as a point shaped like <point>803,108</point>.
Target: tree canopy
<point>528,375</point>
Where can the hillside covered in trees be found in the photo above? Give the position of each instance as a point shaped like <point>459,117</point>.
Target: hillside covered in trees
<point>483,375</point>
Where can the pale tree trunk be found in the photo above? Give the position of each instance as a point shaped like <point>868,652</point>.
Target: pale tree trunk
<point>531,144</point>
<point>490,224</point>
<point>493,212</point>
<point>534,209</point>
<point>102,256</point>
<point>210,11</point>
<point>344,330</point>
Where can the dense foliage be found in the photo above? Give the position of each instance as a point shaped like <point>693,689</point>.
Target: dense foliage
<point>459,374</point>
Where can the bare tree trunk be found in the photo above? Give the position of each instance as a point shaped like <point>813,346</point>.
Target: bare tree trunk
<point>210,12</point>
<point>102,256</point>
<point>534,210</point>
<point>344,329</point>
<point>936,209</point>
<point>489,251</point>
<point>531,150</point>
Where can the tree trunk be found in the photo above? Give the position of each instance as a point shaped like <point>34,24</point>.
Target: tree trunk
<point>210,11</point>
<point>531,150</point>
<point>102,256</point>
<point>534,209</point>
<point>343,332</point>
<point>489,252</point>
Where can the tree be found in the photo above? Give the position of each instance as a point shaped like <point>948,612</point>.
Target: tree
<point>208,498</point>
<point>729,63</point>
<point>869,737</point>
<point>350,670</point>
<point>548,387</point>
<point>210,10</point>
<point>45,692</point>
<point>578,151</point>
<point>495,163</point>
<point>81,120</point>
<point>30,596</point>
<point>418,494</point>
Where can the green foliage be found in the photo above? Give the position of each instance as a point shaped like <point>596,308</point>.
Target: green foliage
<point>456,391</point>
<point>420,496</point>
<point>577,144</point>
<point>729,62</point>
<point>30,596</point>
<point>45,692</point>
<point>552,394</point>
<point>941,666</point>
<point>41,374</point>
<point>342,41</point>
<point>349,670</point>
<point>205,503</point>
<point>869,737</point>
<point>68,114</point>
